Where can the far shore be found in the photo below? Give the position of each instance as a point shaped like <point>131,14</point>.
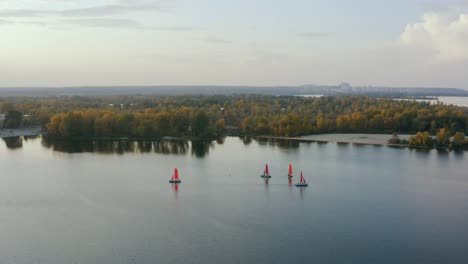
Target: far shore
<point>20,132</point>
<point>369,139</point>
<point>352,138</point>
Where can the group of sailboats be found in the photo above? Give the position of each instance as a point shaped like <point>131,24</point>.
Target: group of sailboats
<point>302,182</point>
<point>266,174</point>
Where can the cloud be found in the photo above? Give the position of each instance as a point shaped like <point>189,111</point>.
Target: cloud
<point>314,34</point>
<point>110,15</point>
<point>446,35</point>
<point>5,22</point>
<point>217,40</point>
<point>176,28</point>
<point>445,5</point>
<point>101,10</point>
<point>103,22</point>
<point>121,23</point>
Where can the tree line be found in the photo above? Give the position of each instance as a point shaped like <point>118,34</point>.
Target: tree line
<point>443,139</point>
<point>211,116</point>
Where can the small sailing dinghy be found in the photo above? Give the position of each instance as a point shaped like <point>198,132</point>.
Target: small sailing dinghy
<point>175,177</point>
<point>266,172</point>
<point>302,182</point>
<point>290,173</point>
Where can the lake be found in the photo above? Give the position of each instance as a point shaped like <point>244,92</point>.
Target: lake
<point>110,202</point>
<point>449,100</point>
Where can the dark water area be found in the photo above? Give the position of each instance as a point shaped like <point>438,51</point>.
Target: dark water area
<point>110,202</point>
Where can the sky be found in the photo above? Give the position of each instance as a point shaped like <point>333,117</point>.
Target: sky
<point>405,43</point>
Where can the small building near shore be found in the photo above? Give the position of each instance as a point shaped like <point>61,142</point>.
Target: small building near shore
<point>2,117</point>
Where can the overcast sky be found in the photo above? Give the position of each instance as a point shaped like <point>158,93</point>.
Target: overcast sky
<point>234,42</point>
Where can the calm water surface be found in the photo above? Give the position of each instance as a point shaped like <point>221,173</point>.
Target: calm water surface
<point>448,100</point>
<point>112,203</point>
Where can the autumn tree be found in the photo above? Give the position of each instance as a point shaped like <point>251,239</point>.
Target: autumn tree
<point>443,138</point>
<point>459,140</point>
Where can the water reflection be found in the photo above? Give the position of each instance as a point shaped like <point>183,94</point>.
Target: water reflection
<point>285,144</point>
<point>302,191</point>
<point>175,189</point>
<point>442,151</point>
<point>118,146</point>
<point>170,147</point>
<point>246,140</point>
<point>267,189</point>
<point>220,141</point>
<point>321,144</point>
<point>13,142</point>
<point>26,138</point>
<point>459,155</point>
<point>262,141</point>
<point>98,146</point>
<point>279,142</point>
<point>423,150</point>
<point>145,146</point>
<point>200,148</point>
<point>360,145</point>
<point>396,147</point>
<point>343,144</point>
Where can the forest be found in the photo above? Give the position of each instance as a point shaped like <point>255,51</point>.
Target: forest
<point>70,117</point>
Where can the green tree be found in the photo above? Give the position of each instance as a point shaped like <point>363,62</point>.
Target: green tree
<point>220,126</point>
<point>200,124</point>
<point>13,119</point>
<point>395,139</point>
<point>427,139</point>
<point>459,140</point>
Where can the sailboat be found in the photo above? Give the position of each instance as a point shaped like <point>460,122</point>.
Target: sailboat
<point>302,182</point>
<point>175,177</point>
<point>266,172</point>
<point>290,173</point>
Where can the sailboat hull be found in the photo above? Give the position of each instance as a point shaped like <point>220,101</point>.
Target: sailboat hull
<point>290,176</point>
<point>302,184</point>
<point>175,181</point>
<point>267,176</point>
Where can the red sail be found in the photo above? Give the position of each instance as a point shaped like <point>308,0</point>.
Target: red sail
<point>290,170</point>
<point>176,174</point>
<point>302,178</point>
<point>266,169</point>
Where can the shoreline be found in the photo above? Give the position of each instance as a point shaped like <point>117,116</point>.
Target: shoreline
<point>359,139</point>
<point>352,138</point>
<point>20,132</point>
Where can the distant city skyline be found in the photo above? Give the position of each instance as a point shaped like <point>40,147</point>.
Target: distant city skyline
<point>401,43</point>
